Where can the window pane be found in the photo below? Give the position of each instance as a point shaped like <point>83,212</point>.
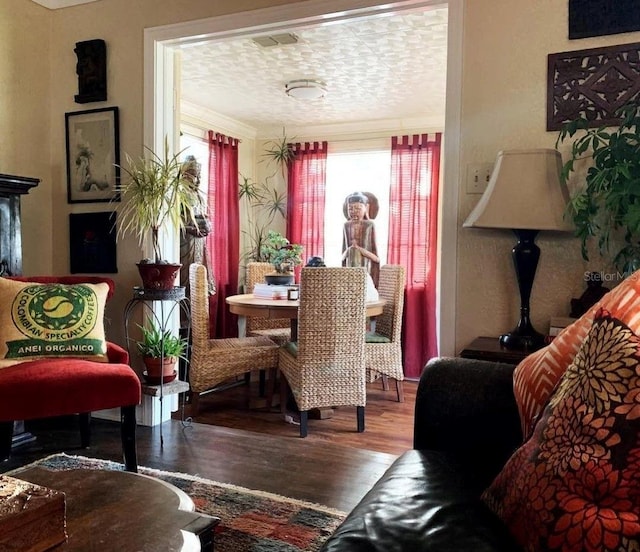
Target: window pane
<point>355,172</point>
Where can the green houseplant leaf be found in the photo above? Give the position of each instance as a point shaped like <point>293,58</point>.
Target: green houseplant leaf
<point>607,208</point>
<point>156,192</point>
<point>157,343</point>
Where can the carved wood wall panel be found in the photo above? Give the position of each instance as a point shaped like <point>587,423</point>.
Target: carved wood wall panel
<point>593,83</point>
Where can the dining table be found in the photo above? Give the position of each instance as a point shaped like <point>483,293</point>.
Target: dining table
<point>247,304</point>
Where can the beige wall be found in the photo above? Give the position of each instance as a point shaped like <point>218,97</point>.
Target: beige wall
<point>505,46</point>
<point>24,120</point>
<point>504,93</point>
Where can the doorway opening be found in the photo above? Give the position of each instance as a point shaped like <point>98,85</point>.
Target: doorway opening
<point>161,115</point>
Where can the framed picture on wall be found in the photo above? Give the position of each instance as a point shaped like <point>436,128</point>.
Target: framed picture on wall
<point>92,243</point>
<point>93,155</point>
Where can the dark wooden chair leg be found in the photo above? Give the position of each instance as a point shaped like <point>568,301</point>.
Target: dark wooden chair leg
<point>304,422</point>
<point>385,382</point>
<point>85,429</point>
<point>128,433</point>
<point>6,433</point>
<point>195,404</point>
<point>360,415</point>
<point>271,390</point>
<point>262,382</point>
<point>283,394</point>
<point>400,390</point>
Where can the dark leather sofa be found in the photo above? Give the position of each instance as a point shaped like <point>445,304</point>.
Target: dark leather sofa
<point>466,427</point>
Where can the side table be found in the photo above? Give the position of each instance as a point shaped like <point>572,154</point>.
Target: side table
<point>489,348</point>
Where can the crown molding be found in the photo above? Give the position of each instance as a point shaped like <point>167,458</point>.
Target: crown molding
<point>57,4</point>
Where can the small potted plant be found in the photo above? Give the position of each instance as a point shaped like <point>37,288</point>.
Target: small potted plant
<point>160,351</point>
<point>156,192</point>
<point>283,255</point>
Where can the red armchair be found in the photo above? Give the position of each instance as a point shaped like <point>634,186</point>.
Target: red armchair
<point>62,386</point>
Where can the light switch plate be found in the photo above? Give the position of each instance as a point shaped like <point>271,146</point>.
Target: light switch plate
<point>478,175</point>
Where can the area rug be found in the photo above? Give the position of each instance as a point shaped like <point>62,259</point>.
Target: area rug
<point>251,521</point>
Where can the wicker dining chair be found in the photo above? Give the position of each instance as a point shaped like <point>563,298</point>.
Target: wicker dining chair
<point>214,361</point>
<point>383,348</point>
<point>276,329</point>
<point>326,367</point>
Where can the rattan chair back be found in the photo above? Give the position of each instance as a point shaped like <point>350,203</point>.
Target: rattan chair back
<point>256,272</point>
<point>385,359</point>
<point>213,361</point>
<point>329,368</point>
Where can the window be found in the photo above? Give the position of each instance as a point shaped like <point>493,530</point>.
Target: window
<point>196,146</point>
<point>356,171</point>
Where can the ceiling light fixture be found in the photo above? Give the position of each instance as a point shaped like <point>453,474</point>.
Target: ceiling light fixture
<point>306,89</point>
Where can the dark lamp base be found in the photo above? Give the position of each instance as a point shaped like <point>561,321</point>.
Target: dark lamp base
<point>514,340</point>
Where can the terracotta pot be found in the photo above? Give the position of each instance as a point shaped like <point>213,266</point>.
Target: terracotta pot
<point>159,370</point>
<point>158,276</point>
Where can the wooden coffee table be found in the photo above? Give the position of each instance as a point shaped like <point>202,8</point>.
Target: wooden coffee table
<point>115,511</point>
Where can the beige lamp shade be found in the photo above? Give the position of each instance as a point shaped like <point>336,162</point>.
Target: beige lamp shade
<point>524,192</point>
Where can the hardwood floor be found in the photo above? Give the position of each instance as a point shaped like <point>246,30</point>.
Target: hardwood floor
<point>334,465</point>
<point>388,424</point>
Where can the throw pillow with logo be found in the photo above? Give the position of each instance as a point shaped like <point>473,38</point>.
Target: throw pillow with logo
<point>51,320</point>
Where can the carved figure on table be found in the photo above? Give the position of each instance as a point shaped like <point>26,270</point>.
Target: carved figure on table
<point>359,234</point>
<point>594,292</point>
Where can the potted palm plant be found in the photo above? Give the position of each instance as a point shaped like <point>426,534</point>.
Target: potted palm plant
<point>607,207</point>
<point>157,192</point>
<point>160,351</point>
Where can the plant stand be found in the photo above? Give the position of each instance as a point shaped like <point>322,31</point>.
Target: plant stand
<point>161,304</point>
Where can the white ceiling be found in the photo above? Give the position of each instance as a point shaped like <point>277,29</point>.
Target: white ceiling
<point>377,69</point>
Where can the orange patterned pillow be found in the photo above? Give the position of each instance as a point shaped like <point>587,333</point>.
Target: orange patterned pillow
<point>575,485</point>
<point>535,378</point>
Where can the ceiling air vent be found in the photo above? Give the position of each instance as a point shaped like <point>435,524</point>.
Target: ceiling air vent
<point>275,40</point>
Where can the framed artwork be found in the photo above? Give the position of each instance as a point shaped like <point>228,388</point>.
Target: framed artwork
<point>93,155</point>
<point>92,243</point>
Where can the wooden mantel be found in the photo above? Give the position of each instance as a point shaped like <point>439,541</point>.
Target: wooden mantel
<point>12,185</point>
<point>11,188</point>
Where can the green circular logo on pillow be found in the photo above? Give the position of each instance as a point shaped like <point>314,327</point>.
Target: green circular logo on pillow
<point>55,312</point>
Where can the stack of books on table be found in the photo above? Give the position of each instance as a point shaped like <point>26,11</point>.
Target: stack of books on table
<point>266,291</point>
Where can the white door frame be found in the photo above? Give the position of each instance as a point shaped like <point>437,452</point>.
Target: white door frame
<point>160,117</point>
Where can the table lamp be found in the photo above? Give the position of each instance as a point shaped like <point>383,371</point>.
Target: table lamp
<point>526,195</point>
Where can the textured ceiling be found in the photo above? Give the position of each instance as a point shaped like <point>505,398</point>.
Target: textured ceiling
<point>377,68</point>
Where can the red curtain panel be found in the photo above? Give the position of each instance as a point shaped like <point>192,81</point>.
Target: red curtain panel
<point>413,235</point>
<point>223,242</point>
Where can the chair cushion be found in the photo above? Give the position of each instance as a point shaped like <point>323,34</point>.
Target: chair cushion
<point>57,387</point>
<point>373,337</point>
<point>292,347</point>
<point>575,485</point>
<point>51,320</point>
<point>537,375</point>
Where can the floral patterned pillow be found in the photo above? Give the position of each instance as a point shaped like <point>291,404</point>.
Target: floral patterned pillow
<point>575,484</point>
